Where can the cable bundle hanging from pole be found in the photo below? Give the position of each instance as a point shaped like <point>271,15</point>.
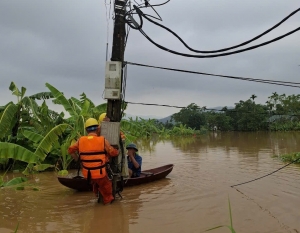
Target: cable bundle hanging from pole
<point>134,25</point>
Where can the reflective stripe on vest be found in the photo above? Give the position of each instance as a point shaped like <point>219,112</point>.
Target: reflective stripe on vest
<point>92,156</point>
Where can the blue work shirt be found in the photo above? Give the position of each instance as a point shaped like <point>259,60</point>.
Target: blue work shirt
<point>136,172</point>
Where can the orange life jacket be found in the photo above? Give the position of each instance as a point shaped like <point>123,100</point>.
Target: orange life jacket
<point>93,156</point>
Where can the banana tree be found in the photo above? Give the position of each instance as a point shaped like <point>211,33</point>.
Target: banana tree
<point>34,158</point>
<point>79,110</point>
<point>25,113</point>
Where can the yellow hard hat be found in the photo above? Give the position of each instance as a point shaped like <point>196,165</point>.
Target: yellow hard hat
<point>101,117</point>
<point>91,122</point>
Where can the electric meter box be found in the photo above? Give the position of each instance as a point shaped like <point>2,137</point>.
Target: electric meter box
<point>111,132</point>
<point>113,79</point>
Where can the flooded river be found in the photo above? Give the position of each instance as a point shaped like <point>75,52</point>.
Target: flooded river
<point>193,198</point>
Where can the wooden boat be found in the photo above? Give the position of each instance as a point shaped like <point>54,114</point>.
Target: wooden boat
<point>150,175</point>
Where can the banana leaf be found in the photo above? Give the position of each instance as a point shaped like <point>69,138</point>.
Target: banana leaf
<point>10,150</point>
<point>85,108</point>
<point>44,109</point>
<point>83,98</point>
<point>6,118</point>
<point>75,106</point>
<point>56,116</point>
<point>80,126</point>
<point>41,167</point>
<point>15,90</point>
<point>76,101</point>
<point>2,108</point>
<point>62,99</point>
<point>65,157</point>
<point>28,169</point>
<point>35,137</point>
<point>49,140</point>
<point>15,181</point>
<point>31,104</point>
<point>37,126</point>
<point>42,96</point>
<point>100,109</point>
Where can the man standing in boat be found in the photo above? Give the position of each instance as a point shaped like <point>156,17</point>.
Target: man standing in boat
<point>134,161</point>
<point>93,153</point>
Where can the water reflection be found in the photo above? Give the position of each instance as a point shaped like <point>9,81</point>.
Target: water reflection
<point>244,142</point>
<point>148,144</point>
<point>111,218</point>
<point>193,197</point>
<point>58,209</point>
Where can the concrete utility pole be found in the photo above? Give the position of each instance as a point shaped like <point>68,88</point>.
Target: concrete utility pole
<point>114,106</point>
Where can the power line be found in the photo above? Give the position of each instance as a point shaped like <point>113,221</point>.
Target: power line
<point>209,109</point>
<point>294,161</point>
<point>107,24</point>
<point>158,4</point>
<point>160,105</point>
<point>224,49</point>
<point>274,82</point>
<point>147,4</point>
<point>139,27</point>
<point>174,106</point>
<point>217,55</point>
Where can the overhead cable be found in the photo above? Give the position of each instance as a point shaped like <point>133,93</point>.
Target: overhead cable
<point>294,161</point>
<point>147,4</point>
<point>158,4</point>
<point>139,27</point>
<point>221,54</point>
<point>267,81</point>
<point>212,109</point>
<point>107,24</point>
<point>219,50</point>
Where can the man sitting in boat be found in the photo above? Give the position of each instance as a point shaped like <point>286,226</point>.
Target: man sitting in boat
<point>134,161</point>
<point>93,151</point>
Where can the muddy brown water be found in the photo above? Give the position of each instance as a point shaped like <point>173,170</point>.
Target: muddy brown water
<point>193,198</point>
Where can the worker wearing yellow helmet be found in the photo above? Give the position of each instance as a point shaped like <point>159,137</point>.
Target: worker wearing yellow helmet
<point>103,117</point>
<point>94,152</point>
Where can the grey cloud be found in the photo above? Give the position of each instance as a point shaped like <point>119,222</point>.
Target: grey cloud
<point>63,43</point>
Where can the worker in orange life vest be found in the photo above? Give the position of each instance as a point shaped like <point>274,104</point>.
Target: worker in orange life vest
<point>94,151</point>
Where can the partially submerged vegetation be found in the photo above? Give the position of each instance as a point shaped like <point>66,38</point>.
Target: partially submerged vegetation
<point>230,227</point>
<point>36,138</point>
<point>292,157</point>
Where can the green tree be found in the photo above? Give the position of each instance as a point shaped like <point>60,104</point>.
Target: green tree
<point>251,116</point>
<point>218,119</point>
<point>192,116</point>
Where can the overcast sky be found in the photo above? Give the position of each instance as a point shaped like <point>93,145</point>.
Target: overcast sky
<point>64,43</point>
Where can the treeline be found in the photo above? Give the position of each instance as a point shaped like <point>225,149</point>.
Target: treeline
<point>280,113</point>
